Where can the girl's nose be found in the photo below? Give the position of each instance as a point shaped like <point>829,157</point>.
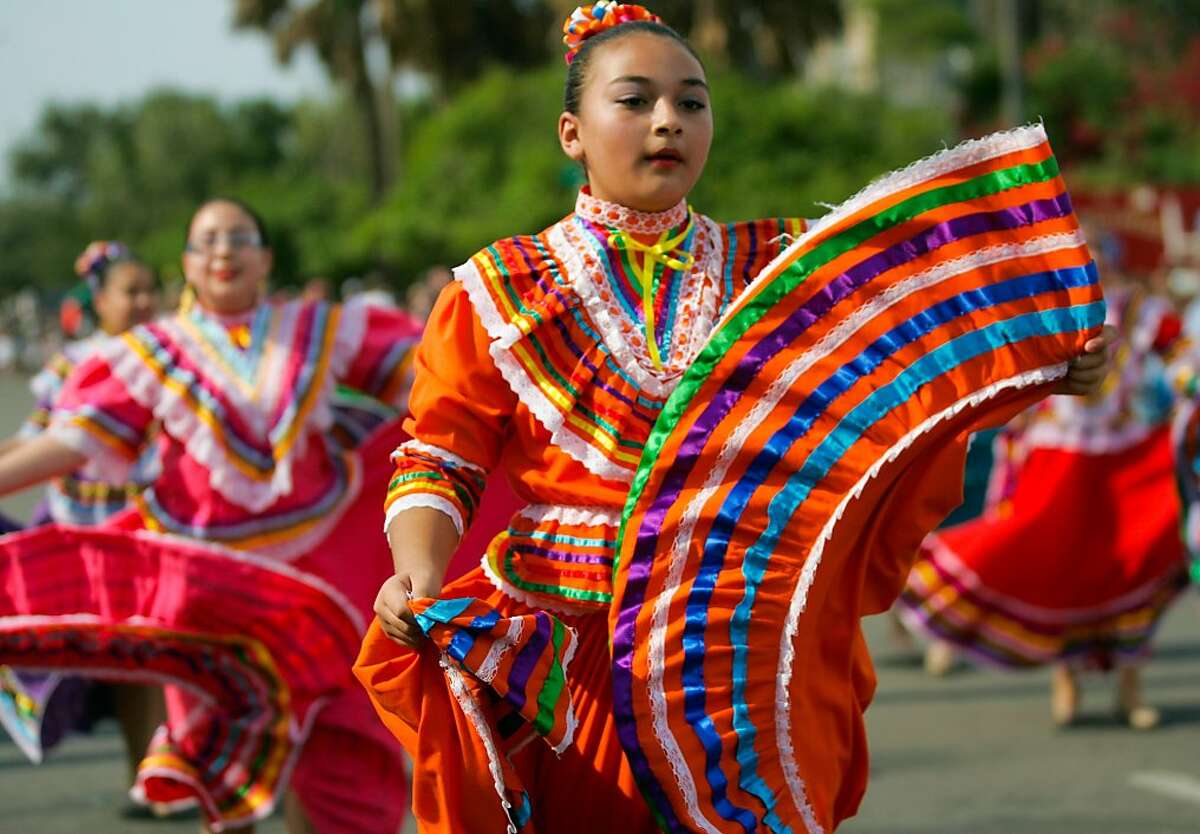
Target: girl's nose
<point>666,121</point>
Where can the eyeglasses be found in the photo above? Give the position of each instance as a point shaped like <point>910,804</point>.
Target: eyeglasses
<point>236,240</point>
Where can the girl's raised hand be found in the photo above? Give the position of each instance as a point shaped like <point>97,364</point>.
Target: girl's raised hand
<point>1087,371</point>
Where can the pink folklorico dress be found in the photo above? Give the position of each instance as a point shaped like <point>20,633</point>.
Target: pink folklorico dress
<point>243,577</point>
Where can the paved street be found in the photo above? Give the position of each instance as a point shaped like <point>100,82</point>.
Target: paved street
<point>976,753</point>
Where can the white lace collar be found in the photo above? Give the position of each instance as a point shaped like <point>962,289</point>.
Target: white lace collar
<point>622,217</point>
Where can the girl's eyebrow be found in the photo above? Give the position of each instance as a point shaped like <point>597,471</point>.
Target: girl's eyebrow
<point>641,79</point>
<point>631,79</point>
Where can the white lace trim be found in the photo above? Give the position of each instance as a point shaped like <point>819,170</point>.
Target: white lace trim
<point>429,450</point>
<point>737,439</point>
<point>574,516</point>
<point>348,339</point>
<point>799,600</point>
<point>544,602</point>
<point>504,335</point>
<point>970,152</point>
<point>432,502</point>
<point>630,220</point>
<point>459,689</point>
<point>487,670</point>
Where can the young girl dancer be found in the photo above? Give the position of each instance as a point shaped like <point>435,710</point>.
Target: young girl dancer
<point>242,575</point>
<point>551,356</point>
<point>39,710</point>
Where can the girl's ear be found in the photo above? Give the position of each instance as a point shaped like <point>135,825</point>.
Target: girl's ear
<point>568,136</point>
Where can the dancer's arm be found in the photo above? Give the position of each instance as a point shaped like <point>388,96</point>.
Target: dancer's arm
<point>459,410</point>
<point>422,542</point>
<point>37,460</point>
<point>9,444</point>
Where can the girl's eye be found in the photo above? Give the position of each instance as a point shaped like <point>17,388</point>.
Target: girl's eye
<point>693,104</point>
<point>631,101</point>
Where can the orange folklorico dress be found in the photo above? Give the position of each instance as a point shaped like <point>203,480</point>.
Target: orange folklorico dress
<point>713,509</point>
<point>535,360</point>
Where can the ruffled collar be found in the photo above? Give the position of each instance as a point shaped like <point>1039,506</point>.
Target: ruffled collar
<point>616,216</point>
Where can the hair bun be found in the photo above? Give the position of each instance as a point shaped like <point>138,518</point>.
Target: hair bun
<point>588,21</point>
<point>98,255</point>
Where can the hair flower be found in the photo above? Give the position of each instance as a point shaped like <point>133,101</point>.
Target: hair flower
<point>588,21</point>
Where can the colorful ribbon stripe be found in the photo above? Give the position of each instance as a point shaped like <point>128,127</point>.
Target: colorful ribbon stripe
<point>937,299</point>
<point>522,659</point>
<point>256,641</point>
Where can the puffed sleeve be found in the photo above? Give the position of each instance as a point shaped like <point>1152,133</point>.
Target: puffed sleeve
<point>99,413</point>
<point>376,347</point>
<point>458,412</point>
<point>46,386</point>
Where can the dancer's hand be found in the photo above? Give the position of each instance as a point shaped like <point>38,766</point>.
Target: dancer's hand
<point>422,540</point>
<point>1087,371</point>
<point>391,607</point>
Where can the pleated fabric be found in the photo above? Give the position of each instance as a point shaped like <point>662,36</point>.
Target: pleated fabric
<point>807,451</point>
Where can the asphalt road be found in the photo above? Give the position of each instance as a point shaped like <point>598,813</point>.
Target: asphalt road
<point>976,753</point>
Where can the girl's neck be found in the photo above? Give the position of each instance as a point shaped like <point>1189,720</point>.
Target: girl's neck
<point>227,319</point>
<point>615,215</point>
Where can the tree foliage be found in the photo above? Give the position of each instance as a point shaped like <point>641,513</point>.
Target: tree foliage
<point>485,165</point>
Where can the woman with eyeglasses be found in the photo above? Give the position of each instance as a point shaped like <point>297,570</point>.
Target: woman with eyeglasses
<point>243,577</point>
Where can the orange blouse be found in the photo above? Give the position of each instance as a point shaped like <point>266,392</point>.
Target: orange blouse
<point>537,359</point>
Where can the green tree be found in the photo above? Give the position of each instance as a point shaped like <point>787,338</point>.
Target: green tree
<point>339,31</point>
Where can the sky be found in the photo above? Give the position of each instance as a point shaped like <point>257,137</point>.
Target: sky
<point>108,51</point>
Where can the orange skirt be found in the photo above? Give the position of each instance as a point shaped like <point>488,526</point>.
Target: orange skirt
<point>458,746</point>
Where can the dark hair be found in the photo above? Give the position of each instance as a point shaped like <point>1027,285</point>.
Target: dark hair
<point>577,69</point>
<point>259,225</point>
<point>98,280</point>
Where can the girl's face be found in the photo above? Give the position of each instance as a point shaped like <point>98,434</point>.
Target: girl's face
<point>225,261</point>
<point>128,298</point>
<point>644,125</point>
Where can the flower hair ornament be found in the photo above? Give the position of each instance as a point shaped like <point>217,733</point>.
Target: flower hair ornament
<point>588,21</point>
<point>95,259</point>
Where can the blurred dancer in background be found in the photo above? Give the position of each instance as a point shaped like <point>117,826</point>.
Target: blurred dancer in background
<point>1079,554</point>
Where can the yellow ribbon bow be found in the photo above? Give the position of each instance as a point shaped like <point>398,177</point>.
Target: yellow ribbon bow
<point>662,252</point>
<point>240,335</point>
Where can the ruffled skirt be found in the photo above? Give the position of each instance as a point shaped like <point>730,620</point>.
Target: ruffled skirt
<point>256,655</point>
<point>1079,568</point>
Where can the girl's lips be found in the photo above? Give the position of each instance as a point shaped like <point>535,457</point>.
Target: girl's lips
<point>665,161</point>
<point>224,274</point>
